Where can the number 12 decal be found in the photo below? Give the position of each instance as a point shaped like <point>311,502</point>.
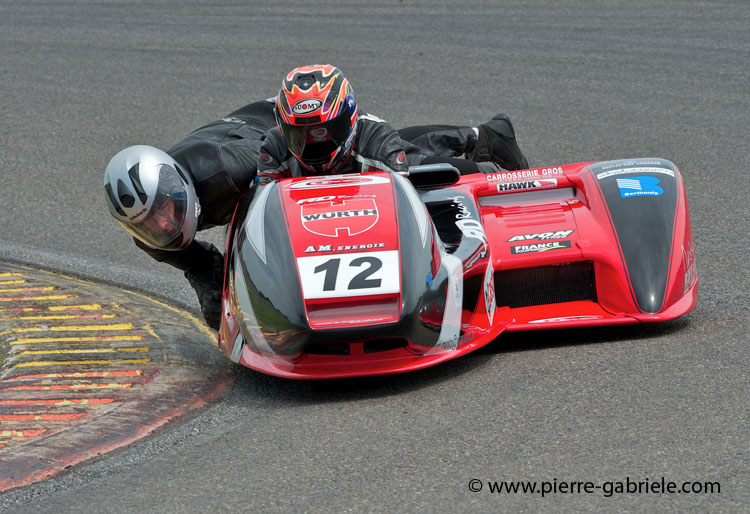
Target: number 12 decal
<point>360,281</point>
<point>354,274</point>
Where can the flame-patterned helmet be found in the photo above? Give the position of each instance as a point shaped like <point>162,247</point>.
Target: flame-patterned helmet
<point>317,113</point>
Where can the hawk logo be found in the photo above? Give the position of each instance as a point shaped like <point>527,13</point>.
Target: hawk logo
<point>349,217</point>
<point>544,183</point>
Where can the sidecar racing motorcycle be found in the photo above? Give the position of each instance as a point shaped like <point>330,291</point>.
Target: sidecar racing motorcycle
<point>377,273</point>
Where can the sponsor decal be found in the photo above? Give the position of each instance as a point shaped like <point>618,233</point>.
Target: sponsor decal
<point>623,171</point>
<point>466,222</point>
<point>337,181</point>
<point>137,214</point>
<point>318,135</point>
<point>632,162</point>
<point>401,158</point>
<point>479,253</point>
<point>265,158</point>
<point>349,140</point>
<point>320,248</point>
<point>560,234</point>
<point>547,172</point>
<point>691,270</point>
<point>529,184</point>
<point>348,275</point>
<point>350,217</point>
<point>342,248</point>
<point>450,330</point>
<point>566,318</point>
<point>639,186</point>
<point>540,247</point>
<point>525,175</point>
<point>306,106</point>
<point>232,119</point>
<point>489,292</point>
<point>472,228</point>
<point>463,211</point>
<point>327,198</point>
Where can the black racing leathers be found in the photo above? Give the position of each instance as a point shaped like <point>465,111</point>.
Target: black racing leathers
<point>222,158</point>
<point>377,146</point>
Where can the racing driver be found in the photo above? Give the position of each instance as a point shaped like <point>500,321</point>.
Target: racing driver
<point>321,132</point>
<point>163,198</point>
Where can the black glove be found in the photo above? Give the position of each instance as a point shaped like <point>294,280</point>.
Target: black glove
<point>206,276</point>
<point>497,143</point>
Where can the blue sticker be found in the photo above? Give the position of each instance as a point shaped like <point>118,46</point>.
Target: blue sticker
<point>429,278</point>
<point>639,186</point>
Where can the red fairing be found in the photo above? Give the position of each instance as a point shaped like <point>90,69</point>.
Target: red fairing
<point>542,226</point>
<point>586,244</point>
<point>684,276</point>
<point>346,248</point>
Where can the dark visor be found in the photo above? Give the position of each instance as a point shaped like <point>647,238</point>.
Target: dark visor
<point>164,222</point>
<point>316,143</point>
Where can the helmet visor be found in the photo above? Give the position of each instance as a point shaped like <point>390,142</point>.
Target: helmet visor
<point>162,227</point>
<point>316,143</point>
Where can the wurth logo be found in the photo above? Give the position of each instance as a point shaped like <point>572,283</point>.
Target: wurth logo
<point>341,214</point>
<point>349,217</point>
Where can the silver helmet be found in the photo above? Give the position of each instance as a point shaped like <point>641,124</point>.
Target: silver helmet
<point>152,197</point>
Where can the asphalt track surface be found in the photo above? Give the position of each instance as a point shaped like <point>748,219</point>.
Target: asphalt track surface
<point>583,81</point>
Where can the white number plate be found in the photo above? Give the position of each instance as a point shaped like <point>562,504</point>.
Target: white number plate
<point>349,274</point>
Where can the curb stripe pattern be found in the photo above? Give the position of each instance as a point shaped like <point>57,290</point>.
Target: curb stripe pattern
<point>78,352</point>
<point>23,355</point>
<point>124,373</point>
<point>74,339</point>
<point>83,401</point>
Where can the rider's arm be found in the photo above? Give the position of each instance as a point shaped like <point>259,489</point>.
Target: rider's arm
<point>197,254</point>
<point>444,140</point>
<point>379,146</point>
<point>464,166</point>
<point>203,266</point>
<point>274,159</point>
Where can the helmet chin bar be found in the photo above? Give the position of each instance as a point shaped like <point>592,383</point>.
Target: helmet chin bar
<point>330,167</point>
<point>316,167</point>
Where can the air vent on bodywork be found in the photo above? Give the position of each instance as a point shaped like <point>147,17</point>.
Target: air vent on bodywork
<point>356,348</point>
<point>559,283</point>
<point>328,349</point>
<point>383,345</point>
